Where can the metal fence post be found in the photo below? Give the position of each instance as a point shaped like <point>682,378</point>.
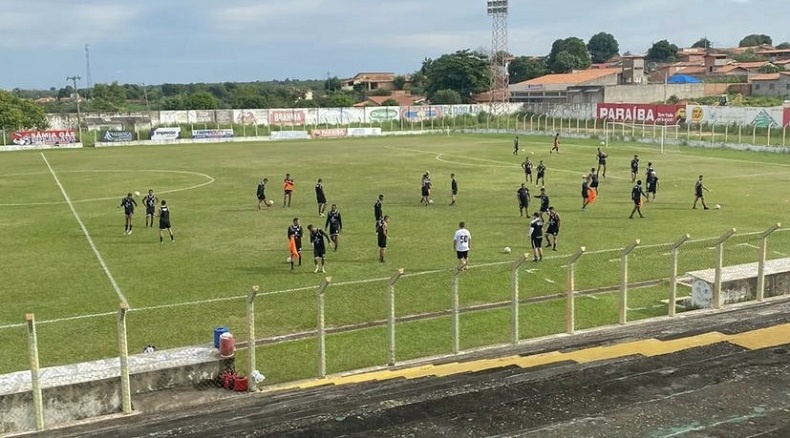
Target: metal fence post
<point>761,260</point>
<point>123,351</point>
<point>719,263</point>
<point>455,327</point>
<point>514,300</point>
<point>252,366</point>
<point>673,275</point>
<point>391,317</point>
<point>321,330</point>
<point>624,281</point>
<point>570,301</point>
<point>35,370</point>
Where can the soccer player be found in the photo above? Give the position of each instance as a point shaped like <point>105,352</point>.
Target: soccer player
<point>556,146</point>
<point>382,234</point>
<point>649,170</point>
<point>425,188</point>
<point>636,195</point>
<point>260,193</point>
<point>128,203</point>
<point>462,242</point>
<point>320,197</point>
<point>150,207</point>
<point>164,221</point>
<point>522,194</point>
<point>527,166</point>
<point>634,167</point>
<point>585,193</point>
<point>592,177</point>
<point>544,202</point>
<point>378,211</point>
<point>698,195</point>
<point>652,186</point>
<point>295,232</point>
<point>453,188</point>
<point>553,229</point>
<point>288,188</point>
<point>536,236</point>
<point>540,180</point>
<point>334,223</point>
<point>601,162</point>
<point>515,146</point>
<point>317,237</point>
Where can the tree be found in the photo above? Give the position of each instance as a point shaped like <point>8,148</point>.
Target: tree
<point>662,51</point>
<point>446,97</point>
<point>466,72</point>
<point>202,100</point>
<point>755,40</point>
<point>783,46</point>
<point>770,68</point>
<point>524,68</point>
<point>339,100</point>
<point>702,43</point>
<point>16,113</point>
<point>576,55</point>
<point>332,84</point>
<point>174,103</point>
<point>399,82</point>
<point>602,47</point>
<point>108,97</point>
<point>390,102</point>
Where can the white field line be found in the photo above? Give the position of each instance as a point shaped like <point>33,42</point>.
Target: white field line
<point>346,283</point>
<point>748,244</point>
<point>85,232</point>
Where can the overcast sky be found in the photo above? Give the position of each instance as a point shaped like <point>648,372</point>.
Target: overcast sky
<point>157,41</point>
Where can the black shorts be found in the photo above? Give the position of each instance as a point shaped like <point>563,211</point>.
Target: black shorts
<point>149,211</point>
<point>544,209</point>
<point>651,189</point>
<point>528,171</point>
<point>455,192</point>
<point>537,242</point>
<point>594,184</point>
<point>382,241</point>
<point>523,203</point>
<point>298,241</point>
<point>319,251</point>
<point>699,195</point>
<point>462,254</point>
<point>426,191</point>
<point>164,225</point>
<point>128,212</point>
<point>261,197</point>
<point>554,231</point>
<point>287,192</point>
<point>321,199</point>
<point>637,201</point>
<point>602,162</point>
<point>634,170</point>
<point>334,230</point>
<point>540,174</point>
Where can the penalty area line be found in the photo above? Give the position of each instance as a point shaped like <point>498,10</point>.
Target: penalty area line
<point>85,232</point>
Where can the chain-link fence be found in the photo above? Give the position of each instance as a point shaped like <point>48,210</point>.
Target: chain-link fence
<point>391,318</point>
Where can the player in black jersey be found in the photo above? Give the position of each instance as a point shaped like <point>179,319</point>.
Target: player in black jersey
<point>334,223</point>
<point>649,170</point>
<point>522,194</point>
<point>634,167</point>
<point>585,192</point>
<point>553,229</point>
<point>382,234</point>
<point>527,166</point>
<point>540,180</point>
<point>128,203</point>
<point>652,186</point>
<point>378,211</point>
<point>536,236</point>
<point>453,188</point>
<point>150,207</point>
<point>425,188</point>
<point>698,195</point>
<point>636,195</point>
<point>544,202</point>
<point>260,193</point>
<point>320,197</point>
<point>164,221</point>
<point>556,145</point>
<point>295,232</point>
<point>317,237</point>
<point>515,146</point>
<point>601,162</point>
<point>592,178</point>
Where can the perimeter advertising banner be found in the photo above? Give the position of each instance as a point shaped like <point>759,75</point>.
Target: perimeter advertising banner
<point>166,134</point>
<point>212,133</point>
<point>329,133</point>
<point>116,136</point>
<point>50,137</point>
<point>641,113</point>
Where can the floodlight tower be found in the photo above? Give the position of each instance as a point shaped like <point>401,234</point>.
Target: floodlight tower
<point>497,10</point>
<point>88,66</point>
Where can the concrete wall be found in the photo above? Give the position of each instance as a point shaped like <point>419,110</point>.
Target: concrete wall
<point>779,87</point>
<point>652,93</point>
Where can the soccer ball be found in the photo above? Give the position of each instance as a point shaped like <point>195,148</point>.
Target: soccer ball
<point>533,152</point>
<point>507,250</point>
<point>717,206</point>
<point>603,143</point>
<point>136,193</point>
<point>430,201</point>
<point>288,260</point>
<point>270,202</point>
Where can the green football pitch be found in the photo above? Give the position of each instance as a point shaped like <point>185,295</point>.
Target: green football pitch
<point>66,258</point>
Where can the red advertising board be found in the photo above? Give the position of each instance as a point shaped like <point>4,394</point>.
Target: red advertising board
<point>286,117</point>
<point>51,137</point>
<point>641,112</point>
<point>329,133</point>
<point>786,116</point>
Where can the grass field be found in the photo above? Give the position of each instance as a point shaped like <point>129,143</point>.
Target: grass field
<point>224,244</point>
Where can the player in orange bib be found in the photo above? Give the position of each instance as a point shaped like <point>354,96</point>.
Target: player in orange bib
<point>288,188</point>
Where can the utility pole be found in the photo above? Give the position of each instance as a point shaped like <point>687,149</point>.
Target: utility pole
<point>145,95</point>
<point>74,80</point>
